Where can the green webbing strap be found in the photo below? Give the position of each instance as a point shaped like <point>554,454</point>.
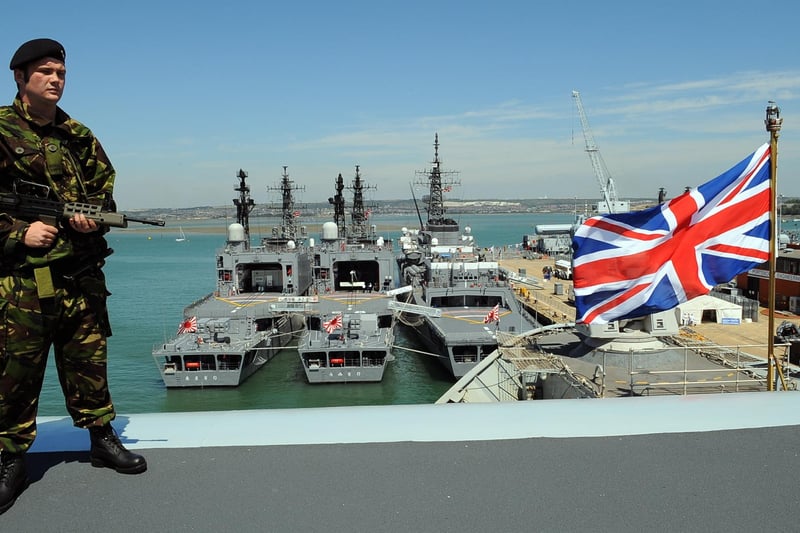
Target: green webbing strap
<point>44,282</point>
<point>52,153</point>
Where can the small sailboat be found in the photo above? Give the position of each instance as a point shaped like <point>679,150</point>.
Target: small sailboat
<point>182,236</point>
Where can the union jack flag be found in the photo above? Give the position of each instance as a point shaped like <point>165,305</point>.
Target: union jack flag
<point>188,326</point>
<point>333,324</point>
<point>493,315</point>
<point>629,265</point>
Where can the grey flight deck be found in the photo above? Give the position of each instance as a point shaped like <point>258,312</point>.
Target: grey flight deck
<point>725,462</point>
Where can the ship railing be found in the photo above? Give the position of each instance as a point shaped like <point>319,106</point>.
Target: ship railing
<point>749,372</point>
<point>548,305</point>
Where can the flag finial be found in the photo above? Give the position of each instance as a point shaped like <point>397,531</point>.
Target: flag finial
<point>773,121</point>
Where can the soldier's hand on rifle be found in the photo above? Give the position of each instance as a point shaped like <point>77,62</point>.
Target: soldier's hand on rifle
<point>80,223</point>
<point>40,235</point>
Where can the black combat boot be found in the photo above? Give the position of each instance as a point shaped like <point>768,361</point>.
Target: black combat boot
<point>108,451</point>
<point>13,478</point>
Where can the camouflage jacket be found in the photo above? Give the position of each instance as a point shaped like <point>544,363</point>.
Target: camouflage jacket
<point>65,157</point>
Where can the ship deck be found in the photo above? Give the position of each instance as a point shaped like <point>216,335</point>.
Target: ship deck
<point>341,301</point>
<point>695,463</point>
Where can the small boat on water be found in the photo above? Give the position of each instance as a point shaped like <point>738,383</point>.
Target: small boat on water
<point>181,235</point>
<point>255,310</point>
<point>350,331</point>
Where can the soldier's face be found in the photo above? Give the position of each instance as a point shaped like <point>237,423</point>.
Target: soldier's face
<point>45,81</point>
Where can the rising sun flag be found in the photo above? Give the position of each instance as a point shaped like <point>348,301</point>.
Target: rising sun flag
<point>333,324</point>
<point>493,315</point>
<point>629,265</point>
<point>188,326</point>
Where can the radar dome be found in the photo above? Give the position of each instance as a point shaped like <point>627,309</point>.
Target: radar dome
<point>236,232</point>
<point>329,231</point>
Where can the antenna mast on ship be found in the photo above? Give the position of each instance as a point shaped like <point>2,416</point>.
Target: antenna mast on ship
<point>338,206</point>
<point>358,215</point>
<point>288,228</point>
<point>439,182</point>
<point>244,205</point>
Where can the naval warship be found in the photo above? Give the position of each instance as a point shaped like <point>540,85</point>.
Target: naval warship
<point>459,300</point>
<point>256,308</point>
<point>350,332</point>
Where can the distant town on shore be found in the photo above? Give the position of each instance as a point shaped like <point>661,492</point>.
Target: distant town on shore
<point>391,207</point>
<point>787,207</point>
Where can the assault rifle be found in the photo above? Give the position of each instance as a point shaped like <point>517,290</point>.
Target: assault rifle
<point>52,212</point>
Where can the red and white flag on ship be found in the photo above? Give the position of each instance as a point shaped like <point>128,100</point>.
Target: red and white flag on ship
<point>493,315</point>
<point>333,324</point>
<point>188,326</point>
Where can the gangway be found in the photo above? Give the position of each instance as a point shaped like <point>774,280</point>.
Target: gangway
<point>415,309</point>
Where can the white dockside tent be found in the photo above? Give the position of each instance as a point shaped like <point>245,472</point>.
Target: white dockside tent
<point>707,308</point>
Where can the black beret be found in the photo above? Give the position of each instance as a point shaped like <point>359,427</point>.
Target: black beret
<point>37,49</point>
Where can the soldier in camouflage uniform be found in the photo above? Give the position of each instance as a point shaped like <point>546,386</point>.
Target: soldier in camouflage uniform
<point>52,290</point>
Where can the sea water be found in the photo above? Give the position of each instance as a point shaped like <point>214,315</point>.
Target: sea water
<point>152,277</point>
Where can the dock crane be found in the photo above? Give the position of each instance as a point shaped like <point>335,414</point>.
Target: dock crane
<point>610,203</point>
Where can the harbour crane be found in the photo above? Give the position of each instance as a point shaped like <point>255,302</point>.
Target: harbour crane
<point>610,203</point>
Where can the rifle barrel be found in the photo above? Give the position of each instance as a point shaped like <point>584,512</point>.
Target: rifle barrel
<point>145,221</point>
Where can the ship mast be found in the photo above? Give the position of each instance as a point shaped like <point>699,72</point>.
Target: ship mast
<point>288,228</point>
<point>438,182</point>
<point>358,215</point>
<point>244,205</point>
<point>338,206</point>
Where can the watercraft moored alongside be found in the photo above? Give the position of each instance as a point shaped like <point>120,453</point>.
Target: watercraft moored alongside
<point>255,310</point>
<point>350,331</point>
<point>471,296</point>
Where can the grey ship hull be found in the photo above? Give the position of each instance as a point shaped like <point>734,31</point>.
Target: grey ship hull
<point>459,338</point>
<point>343,358</point>
<point>351,280</point>
<point>456,291</point>
<point>224,352</point>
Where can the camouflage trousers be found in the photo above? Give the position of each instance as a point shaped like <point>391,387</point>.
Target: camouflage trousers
<point>29,328</point>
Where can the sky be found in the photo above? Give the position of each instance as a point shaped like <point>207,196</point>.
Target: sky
<point>184,94</point>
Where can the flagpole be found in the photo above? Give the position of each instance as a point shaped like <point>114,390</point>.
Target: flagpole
<point>773,123</point>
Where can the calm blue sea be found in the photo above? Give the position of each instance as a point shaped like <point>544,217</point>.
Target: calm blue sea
<point>152,278</point>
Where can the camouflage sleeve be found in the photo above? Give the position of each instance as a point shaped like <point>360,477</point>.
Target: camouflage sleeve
<point>12,230</point>
<point>99,175</point>
<point>96,171</point>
